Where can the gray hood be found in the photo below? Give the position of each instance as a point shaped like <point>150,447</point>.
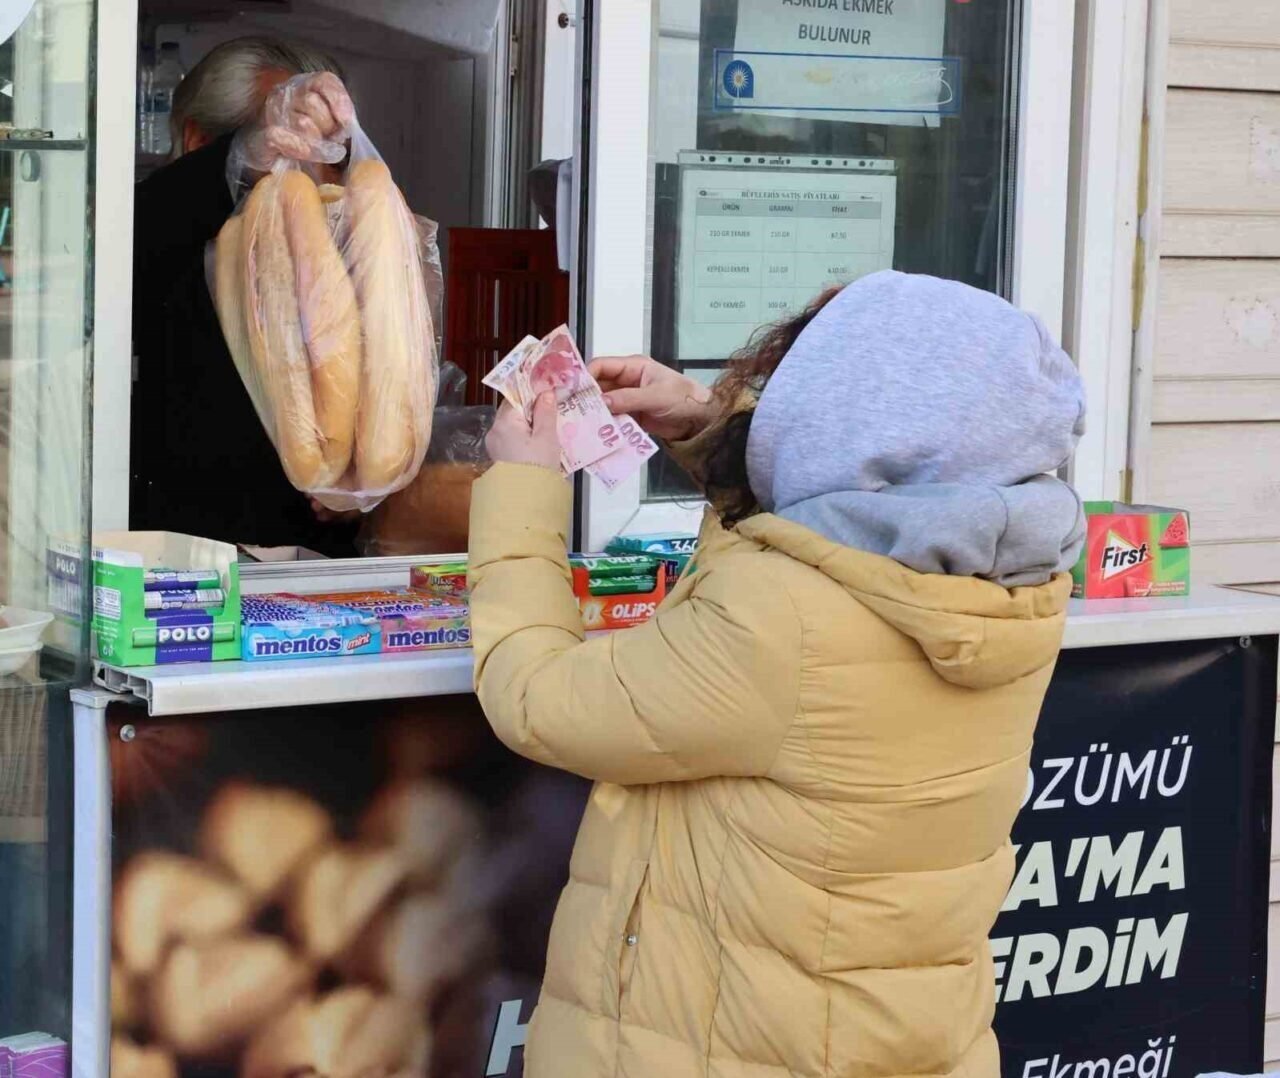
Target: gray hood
<point>918,418</point>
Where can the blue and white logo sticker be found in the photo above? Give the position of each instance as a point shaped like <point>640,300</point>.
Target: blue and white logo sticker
<point>739,79</point>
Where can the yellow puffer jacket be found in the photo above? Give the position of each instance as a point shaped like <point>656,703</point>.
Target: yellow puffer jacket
<point>807,767</point>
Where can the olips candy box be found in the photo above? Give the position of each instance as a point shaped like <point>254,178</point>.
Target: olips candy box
<point>617,591</point>
<point>1134,552</point>
<point>161,597</point>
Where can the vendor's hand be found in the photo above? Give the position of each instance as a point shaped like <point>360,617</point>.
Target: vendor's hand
<point>512,441</point>
<point>668,404</point>
<point>308,118</point>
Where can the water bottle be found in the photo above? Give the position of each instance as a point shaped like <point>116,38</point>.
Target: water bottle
<point>146,72</point>
<point>164,82</point>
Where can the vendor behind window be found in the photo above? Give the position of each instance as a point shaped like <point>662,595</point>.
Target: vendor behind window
<point>201,462</point>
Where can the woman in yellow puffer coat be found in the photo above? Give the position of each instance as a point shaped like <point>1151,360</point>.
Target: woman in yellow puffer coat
<point>809,761</point>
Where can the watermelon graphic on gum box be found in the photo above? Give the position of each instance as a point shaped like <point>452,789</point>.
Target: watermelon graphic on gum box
<point>1134,552</point>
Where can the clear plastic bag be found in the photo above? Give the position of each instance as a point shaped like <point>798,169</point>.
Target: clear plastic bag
<point>432,514</point>
<point>323,292</point>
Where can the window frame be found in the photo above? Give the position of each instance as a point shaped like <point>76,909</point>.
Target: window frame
<point>618,242</point>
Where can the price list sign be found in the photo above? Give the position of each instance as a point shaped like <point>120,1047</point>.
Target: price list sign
<point>756,247</point>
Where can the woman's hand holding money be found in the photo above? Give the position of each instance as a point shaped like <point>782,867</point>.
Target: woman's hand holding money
<point>668,404</point>
<point>513,441</point>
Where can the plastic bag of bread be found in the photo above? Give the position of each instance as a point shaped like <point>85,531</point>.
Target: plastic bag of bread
<point>432,515</point>
<point>322,294</point>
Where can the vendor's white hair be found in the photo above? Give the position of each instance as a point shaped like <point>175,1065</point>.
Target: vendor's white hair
<point>223,91</point>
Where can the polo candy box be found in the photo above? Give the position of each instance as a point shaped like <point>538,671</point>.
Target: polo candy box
<point>161,597</point>
<point>1134,552</point>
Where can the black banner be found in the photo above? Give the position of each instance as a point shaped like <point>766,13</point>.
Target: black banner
<point>1133,941</point>
<point>279,874</point>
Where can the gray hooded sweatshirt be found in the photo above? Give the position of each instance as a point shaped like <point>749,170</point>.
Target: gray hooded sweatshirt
<point>917,418</point>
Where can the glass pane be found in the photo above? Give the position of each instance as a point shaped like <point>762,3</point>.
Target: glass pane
<point>801,146</point>
<point>44,382</point>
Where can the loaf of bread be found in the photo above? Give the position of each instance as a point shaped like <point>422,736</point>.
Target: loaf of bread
<point>335,343</point>
<point>418,947</point>
<point>338,894</point>
<point>208,998</point>
<point>274,322</point>
<point>428,823</point>
<point>350,1033</point>
<point>398,390</point>
<point>125,1009</point>
<point>161,898</point>
<point>132,1060</point>
<point>432,515</point>
<point>330,322</point>
<point>229,298</point>
<point>262,834</point>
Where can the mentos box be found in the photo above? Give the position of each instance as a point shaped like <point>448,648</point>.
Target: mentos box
<point>160,597</point>
<point>675,550</point>
<point>409,620</point>
<point>287,626</point>
<point>617,592</point>
<point>1134,552</point>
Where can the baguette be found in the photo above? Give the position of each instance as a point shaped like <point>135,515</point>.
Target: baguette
<point>330,322</point>
<point>229,299</point>
<point>399,385</point>
<point>275,336</point>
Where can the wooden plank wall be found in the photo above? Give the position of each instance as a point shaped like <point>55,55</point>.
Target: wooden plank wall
<point>1215,438</point>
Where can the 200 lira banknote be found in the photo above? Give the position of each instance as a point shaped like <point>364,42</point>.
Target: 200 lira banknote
<point>609,447</point>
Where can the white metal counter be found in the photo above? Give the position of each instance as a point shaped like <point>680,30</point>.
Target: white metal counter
<point>1210,614</point>
<point>188,689</point>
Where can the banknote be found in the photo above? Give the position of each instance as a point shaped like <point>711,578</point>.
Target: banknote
<point>503,376</point>
<point>635,448</point>
<point>610,447</point>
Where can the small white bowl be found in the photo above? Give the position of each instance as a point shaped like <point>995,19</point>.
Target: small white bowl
<point>21,628</point>
<point>14,659</point>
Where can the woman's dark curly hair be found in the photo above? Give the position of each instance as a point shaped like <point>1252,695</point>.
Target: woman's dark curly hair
<point>723,462</point>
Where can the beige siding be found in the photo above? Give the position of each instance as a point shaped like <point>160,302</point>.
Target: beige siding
<point>1226,44</point>
<point>1214,444</point>
<point>1235,563</point>
<point>1225,473</point>
<point>1217,354</point>
<point>1215,410</point>
<point>1222,161</point>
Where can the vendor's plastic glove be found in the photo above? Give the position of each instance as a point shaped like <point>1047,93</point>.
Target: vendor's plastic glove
<point>307,118</point>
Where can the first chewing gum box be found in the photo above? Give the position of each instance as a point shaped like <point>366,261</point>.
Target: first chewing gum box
<point>1134,552</point>
<point>128,632</point>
